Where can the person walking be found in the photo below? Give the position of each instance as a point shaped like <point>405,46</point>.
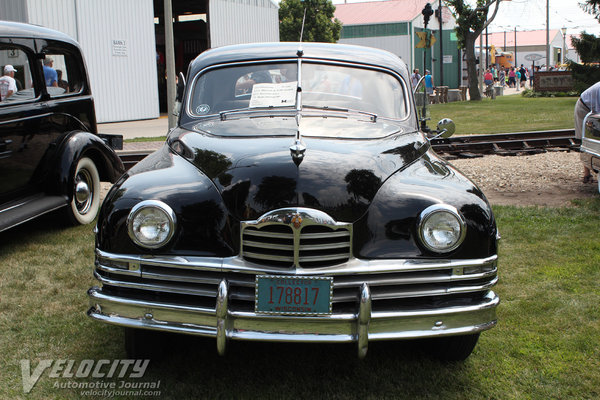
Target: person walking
<point>428,82</point>
<point>502,76</point>
<point>415,77</point>
<point>589,101</point>
<point>523,73</point>
<point>8,85</point>
<point>512,77</point>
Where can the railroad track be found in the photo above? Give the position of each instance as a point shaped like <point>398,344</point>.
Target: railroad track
<point>506,144</point>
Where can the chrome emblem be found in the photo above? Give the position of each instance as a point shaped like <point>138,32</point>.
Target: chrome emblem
<point>297,150</point>
<point>296,220</point>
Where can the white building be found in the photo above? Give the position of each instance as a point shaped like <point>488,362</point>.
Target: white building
<point>123,41</point>
<point>532,43</point>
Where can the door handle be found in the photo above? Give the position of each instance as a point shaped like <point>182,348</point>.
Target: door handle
<point>4,152</point>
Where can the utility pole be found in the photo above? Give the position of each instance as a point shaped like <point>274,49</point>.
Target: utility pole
<point>516,65</point>
<point>441,44</point>
<point>547,35</point>
<point>170,61</point>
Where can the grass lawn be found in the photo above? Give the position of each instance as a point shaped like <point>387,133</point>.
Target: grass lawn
<point>512,113</point>
<point>545,345</point>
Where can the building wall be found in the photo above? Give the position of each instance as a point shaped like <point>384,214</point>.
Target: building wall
<point>399,45</point>
<point>242,21</point>
<point>121,57</point>
<point>13,10</point>
<point>55,14</point>
<point>122,74</point>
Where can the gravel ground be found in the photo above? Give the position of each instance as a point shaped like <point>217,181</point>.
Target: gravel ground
<point>548,179</point>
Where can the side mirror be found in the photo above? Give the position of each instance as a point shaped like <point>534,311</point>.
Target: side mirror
<point>180,87</point>
<point>179,94</point>
<point>446,128</point>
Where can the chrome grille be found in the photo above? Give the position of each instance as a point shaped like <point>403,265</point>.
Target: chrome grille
<point>313,246</point>
<point>296,237</point>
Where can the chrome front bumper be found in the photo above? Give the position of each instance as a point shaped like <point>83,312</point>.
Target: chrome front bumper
<point>361,286</point>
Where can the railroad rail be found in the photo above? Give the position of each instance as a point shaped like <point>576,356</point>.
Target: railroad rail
<point>520,143</point>
<point>507,144</point>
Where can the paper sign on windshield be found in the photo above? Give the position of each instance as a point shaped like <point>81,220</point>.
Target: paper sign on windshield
<point>273,94</point>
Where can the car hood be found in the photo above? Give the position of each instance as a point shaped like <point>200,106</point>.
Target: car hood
<point>338,174</point>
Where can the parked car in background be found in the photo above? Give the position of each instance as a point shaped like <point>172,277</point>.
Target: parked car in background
<point>297,201</point>
<point>51,156</point>
<point>590,144</point>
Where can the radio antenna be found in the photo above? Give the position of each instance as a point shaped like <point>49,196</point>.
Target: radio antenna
<point>302,30</point>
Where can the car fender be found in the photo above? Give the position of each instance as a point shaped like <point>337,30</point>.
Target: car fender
<point>389,228</point>
<point>74,146</point>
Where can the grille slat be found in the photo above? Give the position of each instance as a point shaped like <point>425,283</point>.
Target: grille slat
<point>251,232</point>
<point>343,256</point>
<point>269,245</point>
<point>250,254</point>
<point>326,235</point>
<point>310,247</point>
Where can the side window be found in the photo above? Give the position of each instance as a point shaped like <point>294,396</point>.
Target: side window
<point>62,73</point>
<point>16,82</point>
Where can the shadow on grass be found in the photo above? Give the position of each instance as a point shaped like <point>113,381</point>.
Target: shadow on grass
<point>192,368</point>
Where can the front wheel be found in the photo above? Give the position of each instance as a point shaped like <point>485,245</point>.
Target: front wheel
<point>85,202</point>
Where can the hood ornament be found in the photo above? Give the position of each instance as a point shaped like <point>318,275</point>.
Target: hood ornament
<point>297,150</point>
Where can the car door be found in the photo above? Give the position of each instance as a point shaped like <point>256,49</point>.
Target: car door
<point>19,121</point>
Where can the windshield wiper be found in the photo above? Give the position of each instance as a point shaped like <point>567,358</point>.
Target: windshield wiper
<point>340,109</point>
<point>223,114</point>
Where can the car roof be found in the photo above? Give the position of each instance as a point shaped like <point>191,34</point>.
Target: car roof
<point>21,30</point>
<point>286,50</point>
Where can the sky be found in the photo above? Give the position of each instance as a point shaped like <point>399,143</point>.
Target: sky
<point>531,14</point>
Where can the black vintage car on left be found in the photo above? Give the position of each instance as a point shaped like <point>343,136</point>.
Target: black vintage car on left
<point>51,156</point>
<point>297,200</point>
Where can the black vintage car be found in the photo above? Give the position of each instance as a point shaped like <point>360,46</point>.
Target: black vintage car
<point>50,154</point>
<point>297,200</point>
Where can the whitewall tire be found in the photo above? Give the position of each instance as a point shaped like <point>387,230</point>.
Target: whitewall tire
<point>85,201</point>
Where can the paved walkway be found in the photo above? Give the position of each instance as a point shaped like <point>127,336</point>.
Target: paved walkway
<point>136,129</point>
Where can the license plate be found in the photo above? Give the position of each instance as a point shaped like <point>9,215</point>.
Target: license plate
<point>292,295</point>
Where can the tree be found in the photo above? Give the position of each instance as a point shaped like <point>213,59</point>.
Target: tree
<point>470,22</point>
<point>592,7</point>
<point>588,48</point>
<point>319,26</point>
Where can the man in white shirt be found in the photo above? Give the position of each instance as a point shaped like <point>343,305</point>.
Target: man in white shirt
<point>8,85</point>
<point>588,101</point>
<point>415,77</point>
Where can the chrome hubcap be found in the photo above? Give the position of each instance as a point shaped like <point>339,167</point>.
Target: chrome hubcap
<point>83,191</point>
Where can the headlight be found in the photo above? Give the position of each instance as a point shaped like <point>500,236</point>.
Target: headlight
<point>151,224</point>
<point>441,228</point>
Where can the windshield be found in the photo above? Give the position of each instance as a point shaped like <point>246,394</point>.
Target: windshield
<point>274,85</point>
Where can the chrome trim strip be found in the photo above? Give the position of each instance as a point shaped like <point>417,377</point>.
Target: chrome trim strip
<point>119,271</point>
<point>387,281</point>
<point>168,288</point>
<point>354,266</point>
